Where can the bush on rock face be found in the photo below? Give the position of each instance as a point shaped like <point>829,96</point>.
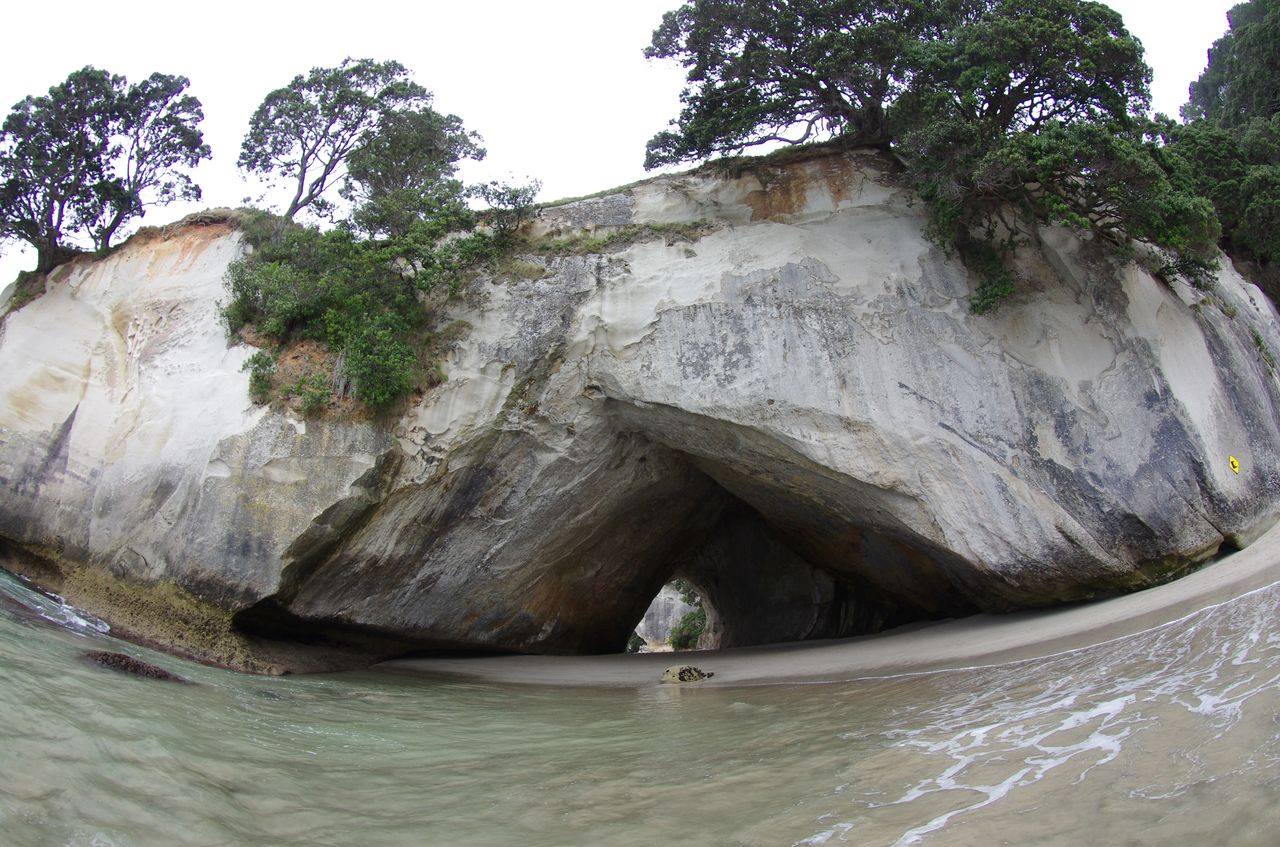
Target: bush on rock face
<point>687,631</point>
<point>360,288</point>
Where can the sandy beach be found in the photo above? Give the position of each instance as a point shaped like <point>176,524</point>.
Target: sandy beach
<point>978,640</point>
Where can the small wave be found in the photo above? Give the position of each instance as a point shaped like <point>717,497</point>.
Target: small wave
<point>74,619</point>
<point>1078,711</point>
<point>51,607</point>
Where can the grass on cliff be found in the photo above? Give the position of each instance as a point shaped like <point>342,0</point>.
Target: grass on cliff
<point>27,287</point>
<point>619,238</point>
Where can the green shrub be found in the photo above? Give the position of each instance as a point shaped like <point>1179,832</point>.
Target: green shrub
<point>634,643</point>
<point>995,282</point>
<point>27,287</point>
<point>360,297</point>
<point>261,367</point>
<point>688,593</point>
<point>380,362</point>
<point>685,634</point>
<point>313,391</point>
<point>1264,351</point>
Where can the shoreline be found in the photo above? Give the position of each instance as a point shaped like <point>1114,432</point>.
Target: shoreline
<point>919,648</point>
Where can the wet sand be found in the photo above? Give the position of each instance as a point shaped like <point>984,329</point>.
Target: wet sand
<point>974,641</point>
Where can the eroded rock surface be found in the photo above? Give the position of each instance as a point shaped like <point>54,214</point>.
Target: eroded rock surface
<point>790,404</point>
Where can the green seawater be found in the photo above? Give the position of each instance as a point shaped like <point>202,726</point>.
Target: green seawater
<point>1170,737</point>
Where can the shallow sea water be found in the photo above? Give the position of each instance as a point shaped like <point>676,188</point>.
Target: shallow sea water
<point>1169,737</point>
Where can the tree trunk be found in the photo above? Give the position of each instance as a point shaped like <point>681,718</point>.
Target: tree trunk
<point>296,203</point>
<point>49,256</point>
<point>109,232</point>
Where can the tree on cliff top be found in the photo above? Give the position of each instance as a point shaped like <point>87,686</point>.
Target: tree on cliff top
<point>156,133</point>
<point>92,154</point>
<point>963,91</point>
<point>403,170</point>
<point>302,134</point>
<point>762,71</point>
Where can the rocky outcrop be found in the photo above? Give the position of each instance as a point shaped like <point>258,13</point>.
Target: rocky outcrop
<point>766,379</point>
<point>684,673</point>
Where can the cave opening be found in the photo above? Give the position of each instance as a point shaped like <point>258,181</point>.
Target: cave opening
<point>567,558</point>
<point>741,585</point>
<point>783,549</point>
<point>674,622</point>
<point>787,575</point>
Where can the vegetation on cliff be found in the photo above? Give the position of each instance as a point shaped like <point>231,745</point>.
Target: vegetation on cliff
<point>686,632</point>
<point>361,288</point>
<point>1005,112</point>
<point>304,133</point>
<point>1229,144</point>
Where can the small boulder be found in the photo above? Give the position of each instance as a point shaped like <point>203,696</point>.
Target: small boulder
<point>685,673</point>
<point>127,664</point>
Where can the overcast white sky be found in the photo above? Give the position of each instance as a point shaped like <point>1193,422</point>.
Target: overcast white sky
<point>558,88</point>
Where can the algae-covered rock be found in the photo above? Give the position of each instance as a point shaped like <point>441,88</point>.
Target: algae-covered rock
<point>685,673</point>
<point>129,665</point>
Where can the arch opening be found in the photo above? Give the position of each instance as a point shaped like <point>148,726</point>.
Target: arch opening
<point>675,621</point>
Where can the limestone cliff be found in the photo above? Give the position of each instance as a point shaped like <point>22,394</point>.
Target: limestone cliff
<point>790,404</point>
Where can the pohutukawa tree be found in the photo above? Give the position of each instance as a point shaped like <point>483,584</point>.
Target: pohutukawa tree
<point>357,287</point>
<point>992,104</point>
<point>80,162</point>
<point>1022,66</point>
<point>157,136</point>
<point>403,170</point>
<point>302,134</point>
<point>792,71</point>
<point>1040,107</point>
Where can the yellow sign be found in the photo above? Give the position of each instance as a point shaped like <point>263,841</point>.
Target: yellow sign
<point>1235,464</point>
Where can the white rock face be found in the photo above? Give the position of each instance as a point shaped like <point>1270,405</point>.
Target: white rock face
<point>127,437</point>
<point>798,405</point>
<point>663,614</point>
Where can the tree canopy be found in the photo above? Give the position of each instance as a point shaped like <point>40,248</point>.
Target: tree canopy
<point>1021,65</point>
<point>1030,105</point>
<point>92,154</point>
<point>1229,145</point>
<point>794,71</point>
<point>360,288</point>
<point>156,130</point>
<point>403,169</point>
<point>302,134</point>
<point>761,71</point>
<point>1242,80</point>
